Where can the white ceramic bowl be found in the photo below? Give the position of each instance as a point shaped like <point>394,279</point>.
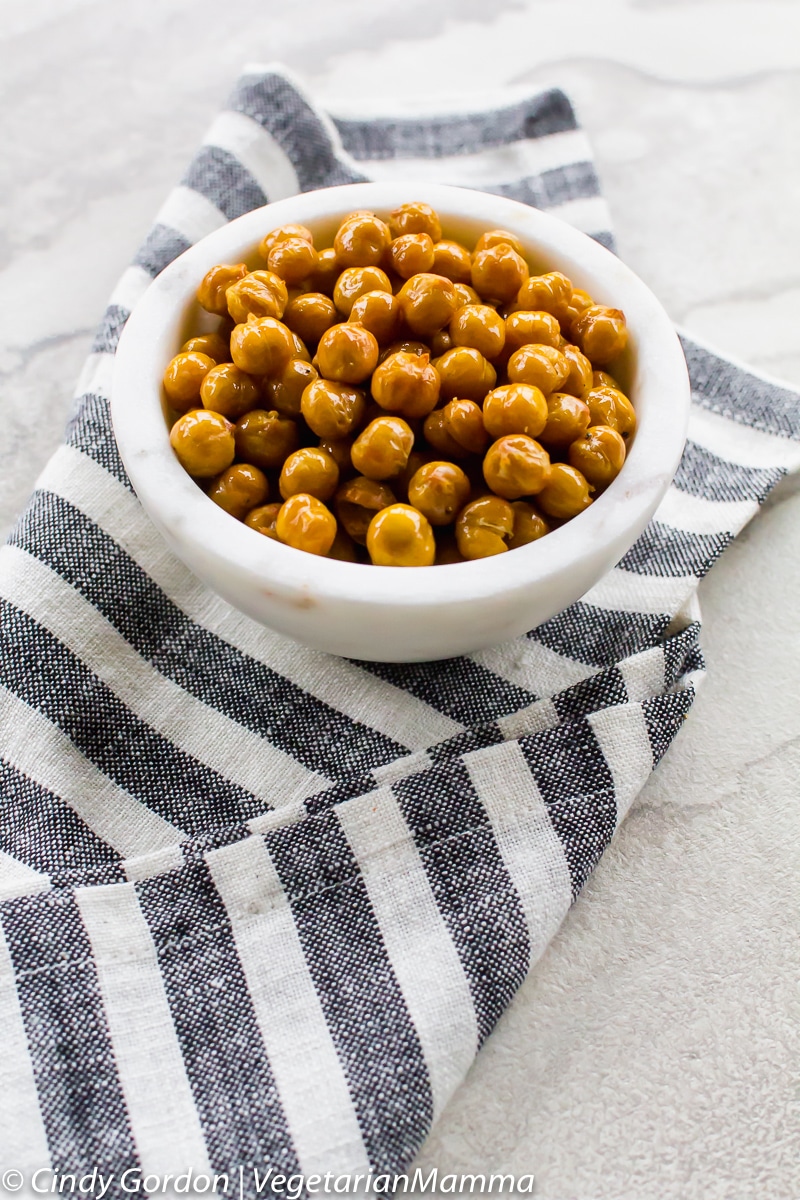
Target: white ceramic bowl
<point>389,614</point>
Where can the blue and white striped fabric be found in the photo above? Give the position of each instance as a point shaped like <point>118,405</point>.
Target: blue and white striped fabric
<point>261,905</point>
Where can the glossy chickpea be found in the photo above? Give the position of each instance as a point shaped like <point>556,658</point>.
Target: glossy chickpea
<point>601,333</point>
<point>439,490</point>
<point>184,377</point>
<point>404,347</point>
<point>410,254</point>
<point>379,313</point>
<point>578,301</point>
<point>326,272</point>
<point>263,519</point>
<point>357,502</point>
<point>465,373</point>
<point>598,454</point>
<point>484,527</point>
<point>343,548</point>
<point>498,272</point>
<point>441,342</point>
<point>347,353</point>
<point>238,489</point>
<point>284,392</point>
<point>579,380</point>
<point>400,536</point>
<point>261,293</point>
<point>212,293</point>
<point>309,315</point>
<point>515,408</point>
<point>516,465</point>
<point>381,450</point>
<point>293,259</point>
<point>306,524</point>
<point>542,366</point>
<point>262,346</point>
<point>309,470</point>
<point>228,390</point>
<point>331,409</point>
<point>457,430</point>
<point>416,218</point>
<point>427,303</point>
<point>407,384</point>
<point>282,234</point>
<point>529,525</point>
<point>361,241</point>
<point>526,327</point>
<point>214,345</point>
<point>567,418</point>
<point>499,237</point>
<point>203,443</point>
<point>545,293</point>
<point>609,406</point>
<point>599,379</point>
<point>453,261</point>
<point>465,293</point>
<point>566,493</point>
<point>300,348</point>
<point>478,326</point>
<point>339,450</point>
<point>265,439</point>
<point>356,282</point>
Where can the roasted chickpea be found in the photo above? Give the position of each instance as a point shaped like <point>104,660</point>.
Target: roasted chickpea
<point>361,241</point>
<point>427,303</point>
<point>542,366</point>
<point>265,438</point>
<point>284,392</point>
<point>347,353</point>
<point>343,548</point>
<point>309,470</point>
<point>262,346</point>
<point>326,272</point>
<point>203,443</point>
<point>526,328</point>
<point>498,272</point>
<point>465,293</point>
<point>184,377</point>
<point>515,408</point>
<point>356,282</point>
<point>453,261</point>
<point>416,218</point>
<point>579,380</point>
<point>479,326</point>
<point>566,493</point>
<point>599,378</point>
<point>567,418</point>
<point>484,527</point>
<point>400,536</point>
<point>545,293</point>
<point>578,301</point>
<point>263,519</point>
<point>378,312</point>
<point>213,344</point>
<point>357,501</point>
<point>228,390</point>
<point>439,490</point>
<point>609,406</point>
<point>516,465</point>
<point>239,488</point>
<point>601,333</point>
<point>294,259</point>
<point>381,450</point>
<point>306,524</point>
<point>300,348</point>
<point>282,234</point>
<point>598,454</point>
<point>407,384</point>
<point>261,293</point>
<point>465,373</point>
<point>212,293</point>
<point>529,525</point>
<point>339,450</point>
<point>441,342</point>
<point>405,347</point>
<point>457,430</point>
<point>309,315</point>
<point>499,237</point>
<point>410,254</point>
<point>331,409</point>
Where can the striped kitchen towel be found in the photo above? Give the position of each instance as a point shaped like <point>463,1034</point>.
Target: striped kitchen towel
<point>260,906</point>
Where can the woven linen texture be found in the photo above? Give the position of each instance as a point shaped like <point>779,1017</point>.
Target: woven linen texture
<point>259,905</point>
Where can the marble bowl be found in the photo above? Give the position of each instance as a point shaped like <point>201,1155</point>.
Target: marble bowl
<point>388,614</point>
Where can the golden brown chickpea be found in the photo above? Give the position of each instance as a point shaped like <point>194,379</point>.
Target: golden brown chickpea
<point>263,519</point>
<point>579,380</point>
<point>400,536</point>
<point>427,303</point>
<point>262,346</point>
<point>361,241</point>
<point>378,312</point>
<point>465,373</point>
<point>332,410</point>
<point>545,293</point>
<point>527,328</point>
<point>529,525</point>
<point>294,259</point>
<point>407,384</point>
<point>213,344</point>
<point>356,282</point>
<point>566,493</point>
<point>211,295</point>
<point>457,430</point>
<point>516,465</point>
<point>326,273</point>
<point>261,293</point>
<point>452,260</point>
<point>416,218</point>
<point>238,489</point>
<point>404,347</point>
<point>499,237</point>
<point>598,454</point>
<point>465,293</point>
<point>339,450</point>
<point>265,438</point>
<point>300,348</point>
<point>542,366</point>
<point>441,342</point>
<point>229,391</point>
<point>343,548</point>
<point>567,418</point>
<point>285,391</point>
<point>479,326</point>
<point>281,234</point>
<point>578,301</point>
<point>498,272</point>
<point>515,408</point>
<point>416,459</point>
<point>484,527</point>
<point>437,436</point>
<point>184,377</point>
<point>601,333</point>
<point>381,450</point>
<point>309,315</point>
<point>599,378</point>
<point>609,406</point>
<point>357,501</point>
<point>203,443</point>
<point>306,524</point>
<point>309,470</point>
<point>410,254</point>
<point>347,353</point>
<point>439,490</point>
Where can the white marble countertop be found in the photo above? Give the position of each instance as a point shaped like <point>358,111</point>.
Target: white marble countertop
<point>655,1051</point>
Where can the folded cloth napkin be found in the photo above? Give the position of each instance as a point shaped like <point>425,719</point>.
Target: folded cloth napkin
<point>261,905</point>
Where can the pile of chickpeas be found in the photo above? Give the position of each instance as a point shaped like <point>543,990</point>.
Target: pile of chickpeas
<point>397,399</point>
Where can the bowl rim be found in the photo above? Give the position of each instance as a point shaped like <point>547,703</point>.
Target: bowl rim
<point>186,516</point>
